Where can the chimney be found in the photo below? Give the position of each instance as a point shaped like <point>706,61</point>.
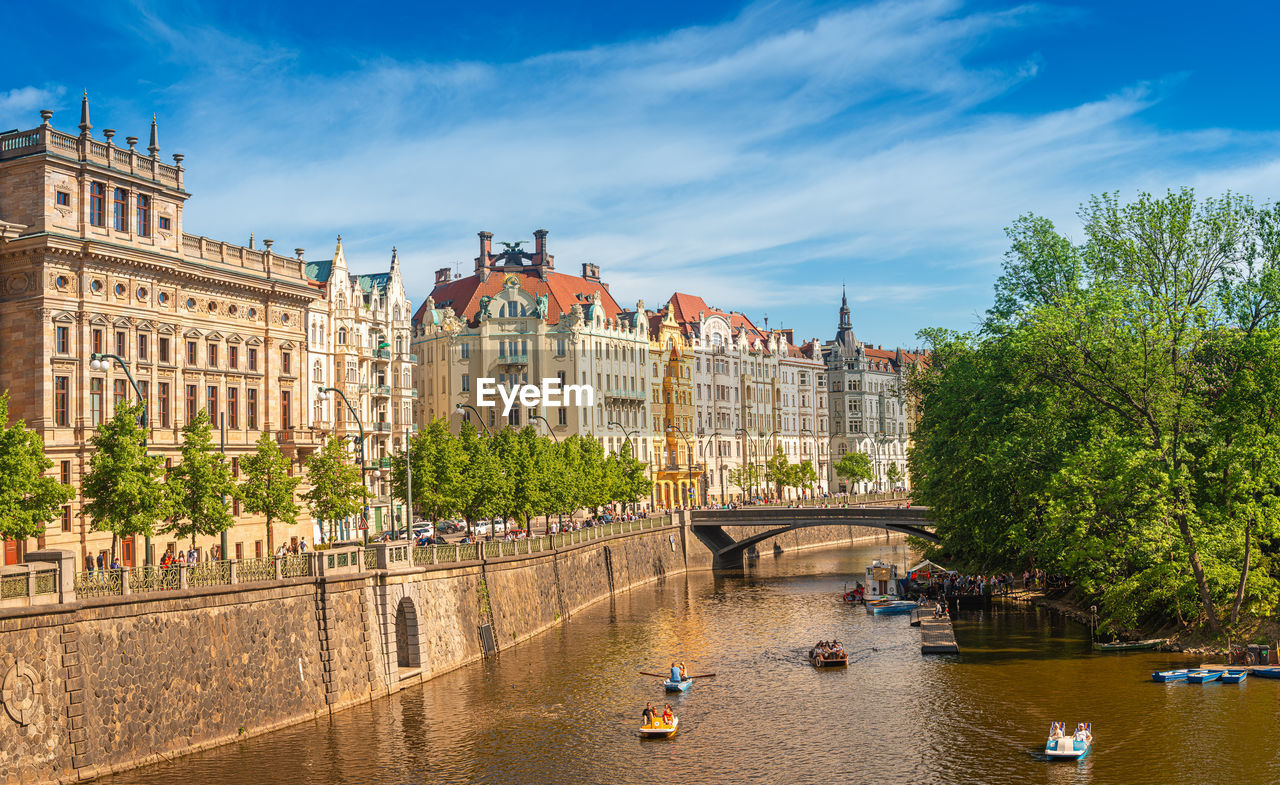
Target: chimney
<point>486,254</point>
<point>541,257</point>
<point>591,271</point>
<point>442,275</point>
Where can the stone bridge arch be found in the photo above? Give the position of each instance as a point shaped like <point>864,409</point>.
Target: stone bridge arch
<point>408,637</point>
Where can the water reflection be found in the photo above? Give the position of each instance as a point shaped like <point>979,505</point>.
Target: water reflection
<point>564,708</point>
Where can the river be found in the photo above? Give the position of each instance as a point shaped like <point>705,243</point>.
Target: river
<point>563,708</point>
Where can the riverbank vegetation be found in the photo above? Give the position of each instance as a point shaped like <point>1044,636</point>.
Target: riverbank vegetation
<point>1116,417</point>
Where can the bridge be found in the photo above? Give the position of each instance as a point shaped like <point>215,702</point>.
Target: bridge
<point>712,527</point>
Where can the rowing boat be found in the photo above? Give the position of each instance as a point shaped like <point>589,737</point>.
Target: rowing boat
<point>1176,675</point>
<point>657,729</point>
<point>1267,673</point>
<point>1128,645</point>
<point>892,607</point>
<point>1203,676</point>
<point>1235,676</point>
<point>677,686</point>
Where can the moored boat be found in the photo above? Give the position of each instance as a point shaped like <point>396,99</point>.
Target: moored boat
<point>891,607</point>
<point>1266,673</point>
<point>1203,676</point>
<point>1128,645</point>
<point>1234,675</point>
<point>657,729</point>
<point>1174,675</point>
<point>1063,747</point>
<point>677,686</point>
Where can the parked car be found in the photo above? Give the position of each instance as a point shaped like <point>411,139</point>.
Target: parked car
<point>481,528</point>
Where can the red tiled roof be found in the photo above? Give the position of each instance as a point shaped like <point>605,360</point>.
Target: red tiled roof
<point>562,291</point>
<point>689,308</point>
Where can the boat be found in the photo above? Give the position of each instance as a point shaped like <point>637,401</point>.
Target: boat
<point>1203,676</point>
<point>891,607</point>
<point>1235,676</point>
<point>1060,746</point>
<point>1267,673</point>
<point>657,729</point>
<point>829,661</point>
<point>1175,675</point>
<point>1128,645</point>
<point>677,686</point>
<point>881,580</point>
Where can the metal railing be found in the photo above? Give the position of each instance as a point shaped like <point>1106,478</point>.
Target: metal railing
<point>154,578</point>
<point>249,570</point>
<point>99,583</point>
<point>209,573</point>
<point>12,586</point>
<point>295,567</point>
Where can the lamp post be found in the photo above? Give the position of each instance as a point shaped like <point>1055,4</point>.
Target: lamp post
<point>548,423</point>
<point>803,431</point>
<point>765,461</point>
<point>750,450</point>
<point>100,361</point>
<point>462,406</point>
<point>648,464</point>
<point>689,451</point>
<point>323,394</point>
<point>880,440</point>
<point>703,455</point>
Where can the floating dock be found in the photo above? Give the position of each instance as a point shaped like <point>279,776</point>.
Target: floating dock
<point>936,635</point>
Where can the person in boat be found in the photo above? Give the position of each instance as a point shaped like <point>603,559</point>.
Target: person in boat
<point>684,673</point>
<point>649,714</point>
<point>1055,732</point>
<point>675,673</point>
<point>1082,735</point>
<point>667,717</point>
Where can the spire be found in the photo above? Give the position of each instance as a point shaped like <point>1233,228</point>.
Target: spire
<point>395,259</point>
<point>154,147</point>
<point>85,126</point>
<point>845,323</point>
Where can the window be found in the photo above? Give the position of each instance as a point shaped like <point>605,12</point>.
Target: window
<point>62,339</point>
<point>96,341</point>
<point>233,408</point>
<point>163,223</point>
<point>117,393</point>
<point>213,355</point>
<point>164,350</point>
<point>285,363</point>
<point>466,382</point>
<point>63,199</point>
<point>191,402</point>
<point>144,387</point>
<point>121,340</point>
<point>251,408</point>
<point>466,351</point>
<point>253,359</point>
<point>97,204</point>
<point>143,218</point>
<point>66,518</point>
<point>212,404</point>
<point>95,401</point>
<point>285,422</point>
<point>233,356</point>
<point>120,209</point>
<point>342,336</point>
<point>562,416</point>
<point>61,398</point>
<point>191,352</point>
<point>163,403</point>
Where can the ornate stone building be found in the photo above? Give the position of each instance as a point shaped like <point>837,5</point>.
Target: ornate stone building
<point>358,336</point>
<point>676,470</point>
<point>869,410</point>
<point>94,259</point>
<point>518,321</point>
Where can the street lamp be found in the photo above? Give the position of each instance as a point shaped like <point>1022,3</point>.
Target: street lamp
<point>764,461</point>
<point>548,423</point>
<point>99,361</point>
<point>688,451</point>
<point>462,406</point>
<point>804,430</point>
<point>648,464</point>
<point>703,455</point>
<point>323,394</point>
<point>750,452</point>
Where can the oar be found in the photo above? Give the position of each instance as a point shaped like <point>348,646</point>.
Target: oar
<point>703,676</point>
<point>657,675</point>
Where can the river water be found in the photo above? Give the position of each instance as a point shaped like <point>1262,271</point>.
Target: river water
<point>564,707</point>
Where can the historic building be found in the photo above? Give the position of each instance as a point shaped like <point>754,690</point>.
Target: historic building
<point>870,410</point>
<point>517,321</point>
<point>94,259</point>
<point>676,468</point>
<point>361,372</point>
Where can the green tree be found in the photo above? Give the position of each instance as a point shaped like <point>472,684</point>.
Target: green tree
<point>894,474</point>
<point>200,484</point>
<point>268,488</point>
<point>855,467</point>
<point>123,489</point>
<point>483,484</point>
<point>746,477</point>
<point>805,476</point>
<point>779,472</point>
<point>631,479</point>
<point>28,499</point>
<point>337,489</point>
<point>438,462</point>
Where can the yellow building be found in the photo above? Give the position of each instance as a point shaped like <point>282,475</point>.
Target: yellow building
<point>677,470</point>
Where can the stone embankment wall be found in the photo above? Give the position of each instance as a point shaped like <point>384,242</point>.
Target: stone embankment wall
<point>102,685</point>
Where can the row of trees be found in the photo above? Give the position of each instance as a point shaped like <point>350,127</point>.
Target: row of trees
<point>1116,418</point>
<point>515,474</point>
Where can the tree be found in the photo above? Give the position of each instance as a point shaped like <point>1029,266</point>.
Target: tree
<point>438,462</point>
<point>894,474</point>
<point>778,471</point>
<point>200,484</point>
<point>268,487</point>
<point>805,476</point>
<point>855,467</point>
<point>123,489</point>
<point>632,482</point>
<point>28,499</point>
<point>483,484</point>
<point>746,477</point>
<point>337,489</point>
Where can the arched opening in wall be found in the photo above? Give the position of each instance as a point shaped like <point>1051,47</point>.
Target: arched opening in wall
<point>407,654</point>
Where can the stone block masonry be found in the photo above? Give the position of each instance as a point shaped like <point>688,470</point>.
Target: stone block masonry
<point>102,685</point>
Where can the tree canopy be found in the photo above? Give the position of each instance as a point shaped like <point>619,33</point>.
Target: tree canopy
<point>268,489</point>
<point>123,490</point>
<point>28,498</point>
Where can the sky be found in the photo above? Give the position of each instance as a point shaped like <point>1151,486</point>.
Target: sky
<point>759,155</point>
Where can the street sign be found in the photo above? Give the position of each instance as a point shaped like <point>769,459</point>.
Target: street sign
<point>364,526</point>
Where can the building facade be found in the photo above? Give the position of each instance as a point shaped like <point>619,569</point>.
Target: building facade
<point>361,371</point>
<point>869,408</point>
<point>94,260</point>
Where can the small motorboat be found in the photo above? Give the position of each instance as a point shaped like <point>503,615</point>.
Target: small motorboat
<point>657,729</point>
<point>1203,676</point>
<point>1128,645</point>
<point>829,660</point>
<point>1234,675</point>
<point>1175,675</point>
<point>891,607</point>
<point>677,686</point>
<point>1267,673</point>
<point>1063,747</point>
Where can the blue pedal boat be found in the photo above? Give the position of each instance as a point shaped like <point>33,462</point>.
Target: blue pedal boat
<point>1175,675</point>
<point>1063,747</point>
<point>677,686</point>
<point>1203,676</point>
<point>1234,676</point>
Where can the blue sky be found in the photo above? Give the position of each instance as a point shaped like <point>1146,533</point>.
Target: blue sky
<point>758,155</point>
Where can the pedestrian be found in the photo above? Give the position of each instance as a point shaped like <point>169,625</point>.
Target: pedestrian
<point>102,561</point>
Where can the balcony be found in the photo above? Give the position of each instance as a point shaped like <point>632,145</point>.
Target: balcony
<point>382,426</point>
<point>625,394</point>
<point>364,388</point>
<point>513,359</point>
<point>382,354</point>
<point>382,463</point>
<point>382,390</point>
<point>410,357</point>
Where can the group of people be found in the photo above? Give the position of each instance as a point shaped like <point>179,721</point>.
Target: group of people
<point>827,650</point>
<point>1082,734</point>
<point>652,717</point>
<point>292,549</point>
<point>678,673</point>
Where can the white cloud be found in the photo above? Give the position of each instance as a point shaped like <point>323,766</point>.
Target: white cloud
<point>17,105</point>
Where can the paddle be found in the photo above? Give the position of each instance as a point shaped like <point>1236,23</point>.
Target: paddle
<point>657,675</point>
<point>703,676</point>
